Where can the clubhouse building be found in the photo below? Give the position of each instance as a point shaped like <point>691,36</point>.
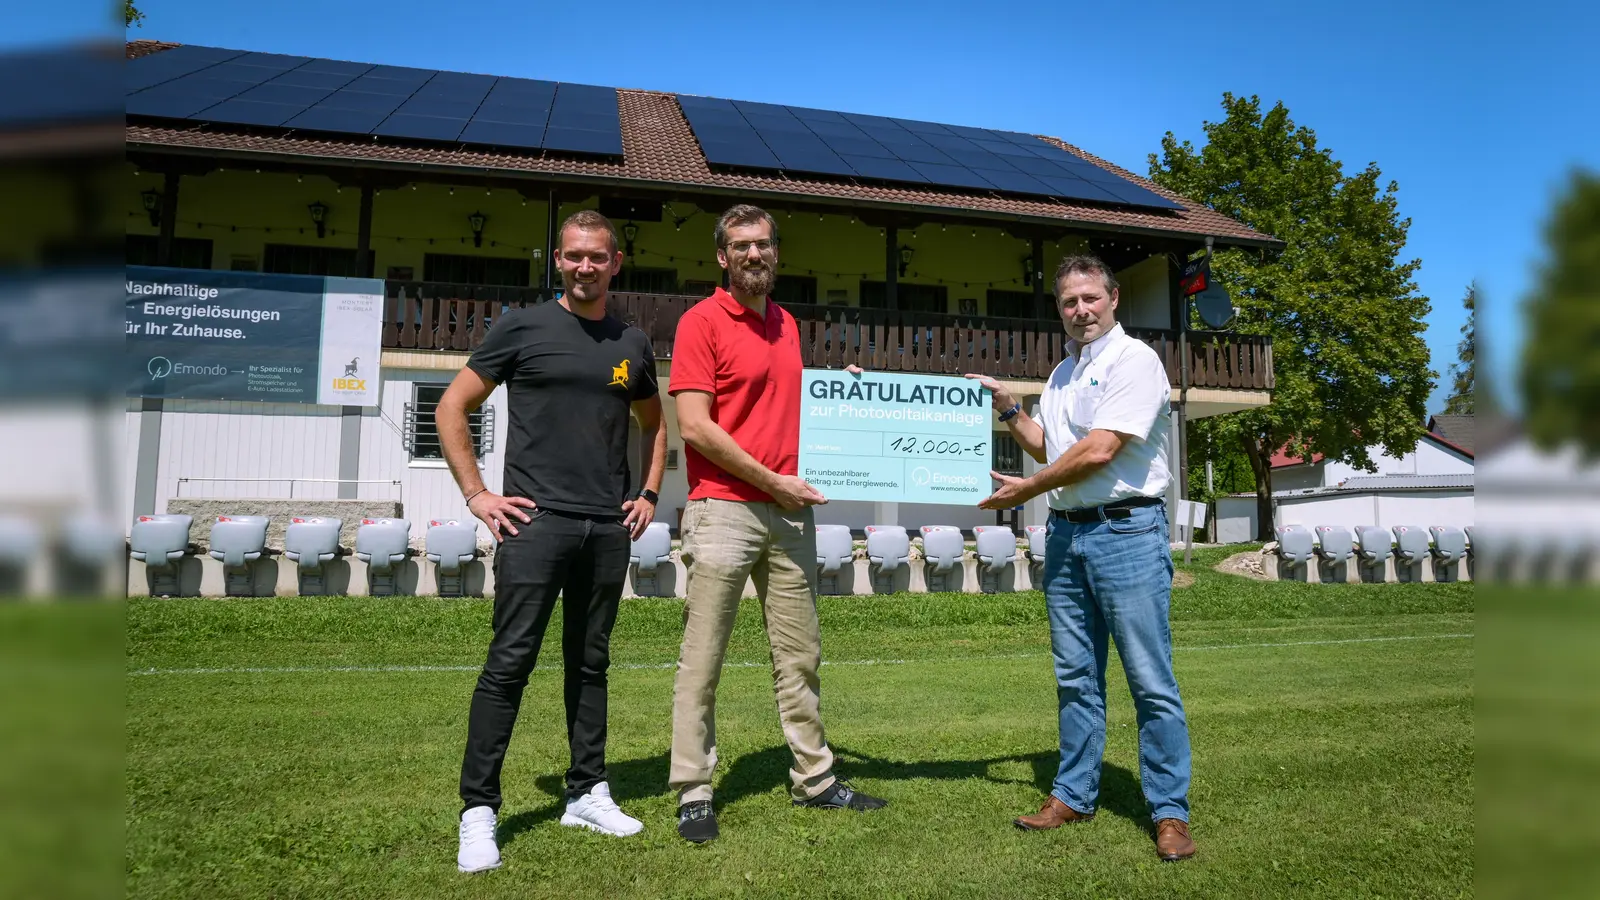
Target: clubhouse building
<point>907,247</point>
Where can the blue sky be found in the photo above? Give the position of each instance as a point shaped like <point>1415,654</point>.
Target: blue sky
<point>1479,112</point>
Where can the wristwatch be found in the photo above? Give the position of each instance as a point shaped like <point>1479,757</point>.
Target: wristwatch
<point>650,495</point>
<point>1011,413</point>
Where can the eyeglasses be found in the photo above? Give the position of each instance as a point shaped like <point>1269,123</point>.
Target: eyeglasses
<point>741,248</point>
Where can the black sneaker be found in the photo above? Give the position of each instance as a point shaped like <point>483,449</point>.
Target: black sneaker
<point>697,822</point>
<point>842,796</point>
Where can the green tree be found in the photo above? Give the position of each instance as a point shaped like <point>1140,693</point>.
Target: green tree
<point>1560,368</point>
<point>1341,308</point>
<point>131,15</point>
<point>1464,374</point>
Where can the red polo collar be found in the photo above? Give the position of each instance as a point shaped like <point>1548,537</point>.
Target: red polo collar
<point>731,303</point>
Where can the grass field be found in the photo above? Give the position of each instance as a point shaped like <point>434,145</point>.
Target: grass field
<point>282,747</point>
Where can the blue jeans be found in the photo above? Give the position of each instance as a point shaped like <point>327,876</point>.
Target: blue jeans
<point>1114,579</point>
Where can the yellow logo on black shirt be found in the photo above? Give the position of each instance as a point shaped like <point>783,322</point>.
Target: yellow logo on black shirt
<point>619,375</point>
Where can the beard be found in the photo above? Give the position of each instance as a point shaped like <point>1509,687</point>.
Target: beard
<point>754,280</point>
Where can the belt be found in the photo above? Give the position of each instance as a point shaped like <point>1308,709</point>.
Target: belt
<point>1121,509</point>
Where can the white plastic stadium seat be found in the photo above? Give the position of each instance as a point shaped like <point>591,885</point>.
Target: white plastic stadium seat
<point>238,541</point>
<point>943,550</point>
<point>310,542</point>
<point>888,549</point>
<point>835,560</point>
<point>87,548</point>
<point>1449,549</point>
<point>20,547</point>
<point>160,541</point>
<point>382,544</point>
<point>996,552</point>
<point>1334,550</point>
<point>1296,547</point>
<point>648,555</point>
<point>1296,544</point>
<point>450,544</point>
<point>1038,536</point>
<point>1374,546</point>
<point>1411,550</point>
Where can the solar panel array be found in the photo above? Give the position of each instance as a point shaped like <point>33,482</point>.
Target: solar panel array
<point>815,141</point>
<point>236,87</point>
<point>62,86</point>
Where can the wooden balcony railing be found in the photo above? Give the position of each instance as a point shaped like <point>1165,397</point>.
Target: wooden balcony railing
<point>432,316</point>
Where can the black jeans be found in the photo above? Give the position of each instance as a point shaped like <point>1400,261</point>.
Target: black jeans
<point>584,560</point>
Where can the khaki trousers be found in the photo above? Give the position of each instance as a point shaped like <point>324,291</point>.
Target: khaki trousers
<point>724,543</point>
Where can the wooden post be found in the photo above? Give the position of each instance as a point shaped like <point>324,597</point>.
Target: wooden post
<point>364,263</point>
<point>891,265</point>
<point>169,219</point>
<point>1039,278</point>
<point>551,211</point>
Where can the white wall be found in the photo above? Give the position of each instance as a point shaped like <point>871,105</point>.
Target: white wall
<point>1428,458</point>
<point>224,439</point>
<point>1236,516</point>
<point>62,457</point>
<point>1144,296</point>
<point>1383,508</point>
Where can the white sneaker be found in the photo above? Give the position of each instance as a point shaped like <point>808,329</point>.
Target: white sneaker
<point>597,812</point>
<point>479,852</point>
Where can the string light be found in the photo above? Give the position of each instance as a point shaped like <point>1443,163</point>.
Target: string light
<point>922,278</point>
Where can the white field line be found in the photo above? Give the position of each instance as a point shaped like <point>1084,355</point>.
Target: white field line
<point>286,670</point>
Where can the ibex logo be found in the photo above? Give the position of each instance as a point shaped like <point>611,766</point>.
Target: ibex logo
<point>349,381</point>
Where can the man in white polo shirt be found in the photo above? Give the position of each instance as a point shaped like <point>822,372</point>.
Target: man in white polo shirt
<point>1108,563</point>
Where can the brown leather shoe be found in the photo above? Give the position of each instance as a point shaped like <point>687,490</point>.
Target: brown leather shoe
<point>1172,840</point>
<point>1053,814</point>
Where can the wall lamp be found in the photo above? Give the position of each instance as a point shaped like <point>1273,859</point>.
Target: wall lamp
<point>319,217</point>
<point>152,206</point>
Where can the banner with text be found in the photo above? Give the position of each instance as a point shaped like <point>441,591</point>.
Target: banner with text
<point>202,334</point>
<point>896,438</point>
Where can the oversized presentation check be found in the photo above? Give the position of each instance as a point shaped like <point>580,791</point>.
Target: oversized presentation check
<point>896,438</point>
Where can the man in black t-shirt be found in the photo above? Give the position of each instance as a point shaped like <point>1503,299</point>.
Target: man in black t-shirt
<point>564,523</point>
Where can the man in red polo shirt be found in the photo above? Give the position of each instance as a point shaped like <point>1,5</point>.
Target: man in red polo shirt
<point>736,377</point>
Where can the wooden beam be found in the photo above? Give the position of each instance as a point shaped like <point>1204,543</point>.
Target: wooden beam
<point>552,207</point>
<point>169,218</point>
<point>1040,309</point>
<point>364,234</point>
<point>891,270</point>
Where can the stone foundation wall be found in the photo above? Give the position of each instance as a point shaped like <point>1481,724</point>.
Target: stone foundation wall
<point>349,512</point>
